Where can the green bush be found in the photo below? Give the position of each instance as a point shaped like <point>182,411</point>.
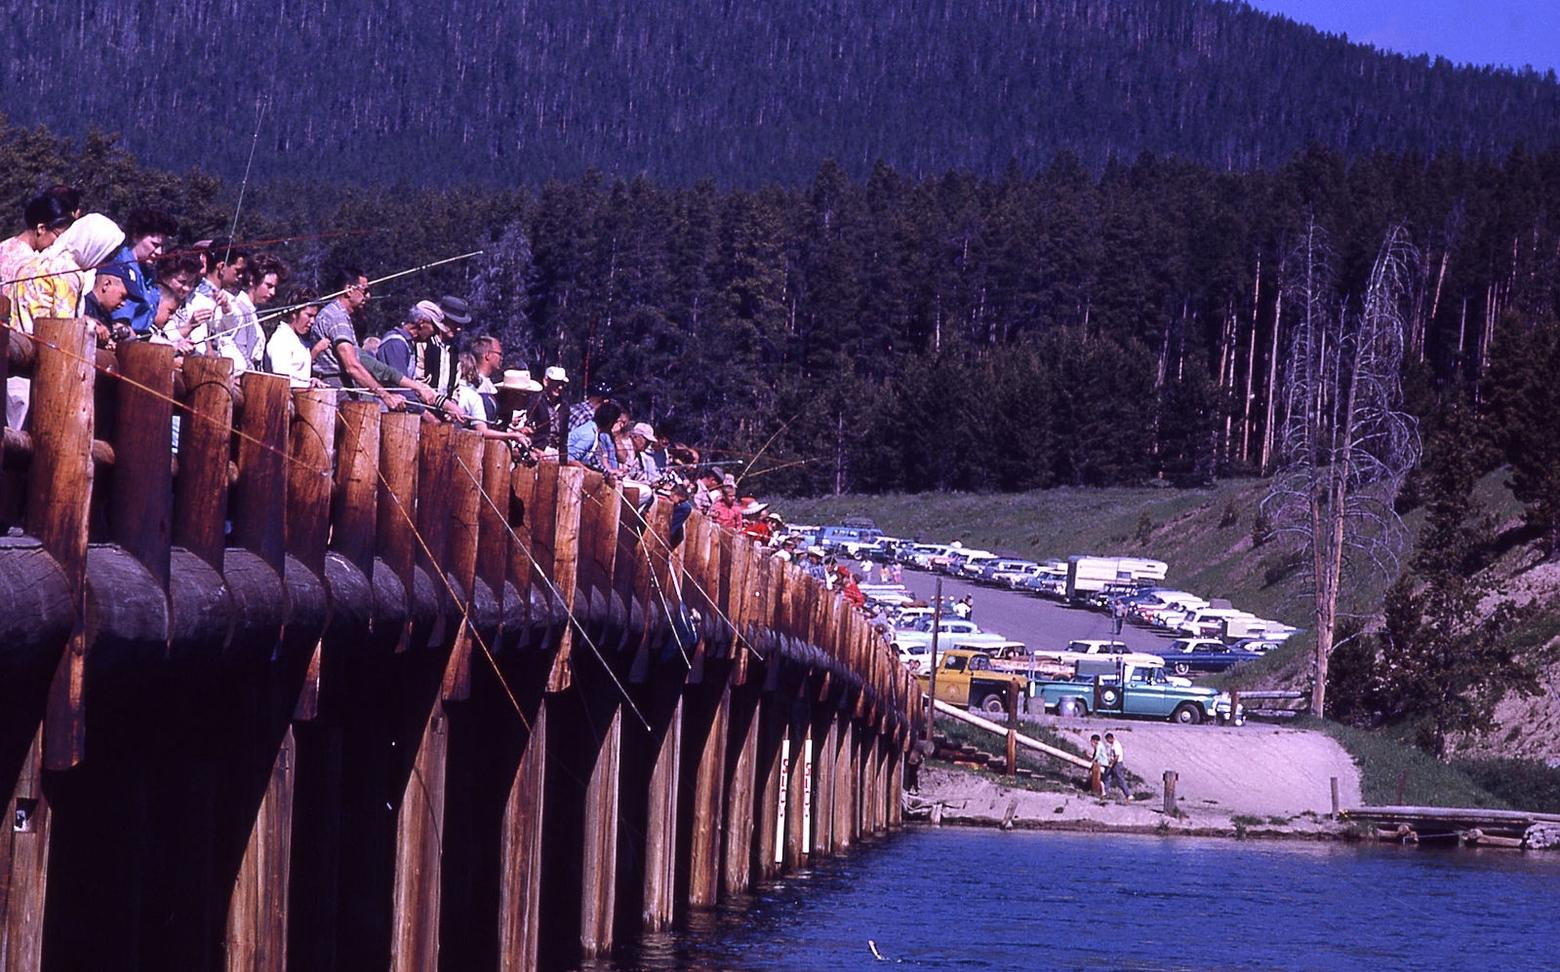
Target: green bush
<point>1527,784</point>
<point>1383,759</point>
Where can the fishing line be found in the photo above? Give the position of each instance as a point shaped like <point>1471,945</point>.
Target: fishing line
<point>504,519</point>
<point>276,312</point>
<point>260,104</point>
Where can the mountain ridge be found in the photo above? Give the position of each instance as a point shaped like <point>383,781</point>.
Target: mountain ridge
<point>497,92</point>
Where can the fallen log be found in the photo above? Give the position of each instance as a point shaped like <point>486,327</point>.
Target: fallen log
<point>1027,742</point>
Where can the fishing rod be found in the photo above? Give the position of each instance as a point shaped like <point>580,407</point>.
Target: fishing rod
<point>186,250</point>
<point>767,443</point>
<point>277,312</point>
<point>243,186</point>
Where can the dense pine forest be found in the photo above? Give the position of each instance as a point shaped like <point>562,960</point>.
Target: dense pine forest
<point>953,332</point>
<point>742,92</point>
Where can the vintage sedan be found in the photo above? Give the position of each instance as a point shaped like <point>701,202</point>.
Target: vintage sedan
<point>1186,655</point>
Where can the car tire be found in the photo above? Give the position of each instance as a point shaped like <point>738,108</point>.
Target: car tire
<point>1186,714</point>
<point>1110,698</point>
<point>1181,668</point>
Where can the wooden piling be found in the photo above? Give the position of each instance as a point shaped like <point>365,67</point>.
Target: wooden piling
<point>737,843</point>
<point>205,436</point>
<point>258,906</point>
<point>1012,733</point>
<point>707,729</point>
<point>142,513</point>
<point>59,496</point>
<point>1170,803</point>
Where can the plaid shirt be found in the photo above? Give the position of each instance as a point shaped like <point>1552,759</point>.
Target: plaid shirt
<point>581,413</point>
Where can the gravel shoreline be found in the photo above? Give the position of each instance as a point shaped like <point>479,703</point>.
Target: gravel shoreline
<point>972,799</point>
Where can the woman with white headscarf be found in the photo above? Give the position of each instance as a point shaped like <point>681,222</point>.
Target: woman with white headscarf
<point>53,282</point>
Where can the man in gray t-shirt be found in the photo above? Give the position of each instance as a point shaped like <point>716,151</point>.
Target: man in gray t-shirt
<point>338,364</point>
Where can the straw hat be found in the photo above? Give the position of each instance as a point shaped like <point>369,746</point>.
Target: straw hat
<point>519,379</point>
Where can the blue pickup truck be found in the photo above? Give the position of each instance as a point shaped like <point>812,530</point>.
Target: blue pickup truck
<point>1121,688</point>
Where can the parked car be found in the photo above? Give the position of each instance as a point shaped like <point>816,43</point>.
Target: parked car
<point>950,629</point>
<point>921,554</point>
<point>1045,584</point>
<point>1260,646</point>
<point>1186,655</point>
<point>1012,577</point>
<point>973,563</point>
<point>1208,622</point>
<point>998,565</point>
<point>1093,646</point>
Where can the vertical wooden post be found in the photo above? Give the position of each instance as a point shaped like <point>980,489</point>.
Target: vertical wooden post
<point>601,694</point>
<point>355,506</point>
<point>798,805</point>
<point>520,885</point>
<point>772,719</point>
<point>445,495</point>
<point>395,534</point>
<point>825,783</point>
<point>257,908</point>
<point>1333,785</point>
<point>143,477</point>
<point>743,761</point>
<point>205,441</point>
<point>661,827</point>
<point>59,495</point>
<point>1170,781</point>
<point>465,510</point>
<point>569,497</point>
<point>931,675</point>
<point>1012,727</point>
<point>599,862</point>
<point>841,762</point>
<point>709,747</point>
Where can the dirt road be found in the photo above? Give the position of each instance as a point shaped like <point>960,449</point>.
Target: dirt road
<point>1255,769</point>
<point>1254,780</point>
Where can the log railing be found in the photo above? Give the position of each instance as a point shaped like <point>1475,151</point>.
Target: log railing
<point>333,687</point>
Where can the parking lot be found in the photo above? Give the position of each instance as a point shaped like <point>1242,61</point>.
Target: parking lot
<point>1040,623</point>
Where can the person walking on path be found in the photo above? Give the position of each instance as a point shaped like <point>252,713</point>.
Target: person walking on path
<point>1116,773</point>
<point>1101,758</point>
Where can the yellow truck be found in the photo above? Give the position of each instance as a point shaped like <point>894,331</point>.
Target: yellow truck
<point>968,678</point>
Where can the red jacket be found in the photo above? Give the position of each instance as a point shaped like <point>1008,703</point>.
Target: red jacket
<point>853,593</point>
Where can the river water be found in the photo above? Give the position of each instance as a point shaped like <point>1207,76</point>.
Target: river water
<point>979,899</point>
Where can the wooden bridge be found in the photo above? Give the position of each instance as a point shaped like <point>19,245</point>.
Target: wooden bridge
<point>335,688</point>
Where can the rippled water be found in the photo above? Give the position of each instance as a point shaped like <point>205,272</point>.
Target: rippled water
<point>973,899</point>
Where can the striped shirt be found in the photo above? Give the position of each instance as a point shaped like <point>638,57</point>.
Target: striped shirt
<point>334,324</point>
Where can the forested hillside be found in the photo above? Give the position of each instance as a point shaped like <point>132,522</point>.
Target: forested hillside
<point>506,91</point>
<point>953,332</point>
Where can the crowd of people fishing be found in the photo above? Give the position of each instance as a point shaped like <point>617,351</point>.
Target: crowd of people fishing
<point>216,297</point>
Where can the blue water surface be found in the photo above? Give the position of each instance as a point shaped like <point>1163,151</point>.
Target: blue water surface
<point>980,899</point>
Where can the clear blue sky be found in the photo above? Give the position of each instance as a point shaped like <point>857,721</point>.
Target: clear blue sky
<point>1510,33</point>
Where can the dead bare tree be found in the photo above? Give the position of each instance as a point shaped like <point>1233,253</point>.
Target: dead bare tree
<point>1345,445</point>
